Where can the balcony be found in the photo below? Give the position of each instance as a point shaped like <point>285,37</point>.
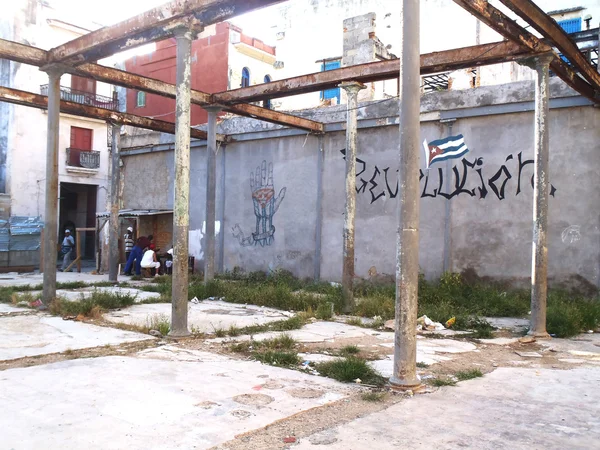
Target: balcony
<point>84,98</point>
<point>86,162</point>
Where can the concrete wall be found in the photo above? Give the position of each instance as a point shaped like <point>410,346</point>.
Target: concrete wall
<point>478,216</point>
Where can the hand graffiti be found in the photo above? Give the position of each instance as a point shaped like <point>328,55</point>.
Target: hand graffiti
<point>265,203</point>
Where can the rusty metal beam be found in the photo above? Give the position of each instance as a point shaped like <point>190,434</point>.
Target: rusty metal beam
<point>38,57</point>
<point>548,27</point>
<point>460,58</point>
<point>508,28</point>
<point>25,98</point>
<point>153,25</point>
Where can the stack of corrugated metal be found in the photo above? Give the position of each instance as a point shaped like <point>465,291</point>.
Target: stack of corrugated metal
<point>25,233</point>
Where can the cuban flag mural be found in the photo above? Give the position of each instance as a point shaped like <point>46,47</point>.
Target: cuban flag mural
<point>452,147</point>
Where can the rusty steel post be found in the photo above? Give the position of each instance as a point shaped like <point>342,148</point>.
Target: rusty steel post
<point>352,89</point>
<point>407,257</point>
<point>181,202</point>
<point>211,192</point>
<point>51,211</point>
<point>539,252</point>
<point>113,229</point>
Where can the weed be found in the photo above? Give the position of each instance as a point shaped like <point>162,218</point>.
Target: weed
<point>159,322</point>
<point>283,342</point>
<point>324,311</point>
<point>136,278</point>
<point>241,347</point>
<point>464,375</point>
<point>373,396</point>
<point>93,305</point>
<point>422,365</point>
<point>349,369</point>
<point>71,285</point>
<point>219,332</point>
<point>293,323</point>
<point>68,352</point>
<point>349,350</point>
<point>278,358</point>
<point>234,331</point>
<point>439,382</point>
<point>354,321</point>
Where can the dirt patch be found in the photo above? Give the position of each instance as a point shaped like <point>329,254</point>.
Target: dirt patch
<point>254,399</point>
<point>307,423</point>
<point>272,385</point>
<point>129,348</point>
<point>304,393</point>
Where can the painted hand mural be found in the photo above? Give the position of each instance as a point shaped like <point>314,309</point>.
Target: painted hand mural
<point>266,205</point>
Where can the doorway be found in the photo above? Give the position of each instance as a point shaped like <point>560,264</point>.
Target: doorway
<point>77,208</point>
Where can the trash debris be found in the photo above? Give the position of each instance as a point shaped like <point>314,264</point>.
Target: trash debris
<point>155,333</point>
<point>36,304</point>
<point>358,381</point>
<point>451,321</point>
<point>426,324</point>
<point>390,325</point>
<point>334,284</point>
<point>409,393</point>
<point>69,317</point>
<point>289,440</point>
<point>195,300</point>
<point>527,340</point>
<point>257,387</point>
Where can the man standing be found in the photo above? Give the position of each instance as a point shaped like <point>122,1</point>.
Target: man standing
<point>137,252</point>
<point>67,247</point>
<point>129,242</point>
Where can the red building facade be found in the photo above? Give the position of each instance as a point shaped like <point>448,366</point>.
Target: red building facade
<point>210,71</point>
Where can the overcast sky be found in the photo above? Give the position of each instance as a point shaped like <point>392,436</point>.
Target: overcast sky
<point>108,12</point>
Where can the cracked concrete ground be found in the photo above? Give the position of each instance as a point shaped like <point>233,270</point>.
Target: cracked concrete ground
<point>71,385</point>
<point>510,408</point>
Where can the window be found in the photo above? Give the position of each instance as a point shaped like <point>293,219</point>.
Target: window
<point>141,99</point>
<point>570,25</point>
<point>81,138</point>
<point>267,103</point>
<point>245,77</point>
<point>335,92</point>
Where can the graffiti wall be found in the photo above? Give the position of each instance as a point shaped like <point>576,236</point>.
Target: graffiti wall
<point>476,206</point>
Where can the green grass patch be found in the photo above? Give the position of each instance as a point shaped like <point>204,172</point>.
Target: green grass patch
<point>349,350</point>
<point>93,305</point>
<point>349,369</point>
<point>324,311</point>
<point>373,396</point>
<point>159,322</point>
<point>464,375</point>
<point>439,382</point>
<point>422,365</point>
<point>278,358</point>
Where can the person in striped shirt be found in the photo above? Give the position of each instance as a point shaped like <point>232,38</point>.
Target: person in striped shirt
<point>129,242</point>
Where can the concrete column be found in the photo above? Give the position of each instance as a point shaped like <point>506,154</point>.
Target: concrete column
<point>352,89</point>
<point>319,220</point>
<point>181,202</point>
<point>211,192</point>
<point>113,230</point>
<point>51,210</point>
<point>407,259</point>
<point>539,252</point>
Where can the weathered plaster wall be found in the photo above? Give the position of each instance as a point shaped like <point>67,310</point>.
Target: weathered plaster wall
<point>488,223</point>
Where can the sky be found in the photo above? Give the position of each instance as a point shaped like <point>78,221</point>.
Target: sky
<point>108,12</point>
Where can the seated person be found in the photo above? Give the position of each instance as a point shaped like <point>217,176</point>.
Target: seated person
<point>149,261</point>
<point>169,263</point>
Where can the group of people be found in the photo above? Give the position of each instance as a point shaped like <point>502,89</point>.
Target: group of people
<point>142,253</point>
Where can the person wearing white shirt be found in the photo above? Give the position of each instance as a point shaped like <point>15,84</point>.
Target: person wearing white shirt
<point>149,260</point>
